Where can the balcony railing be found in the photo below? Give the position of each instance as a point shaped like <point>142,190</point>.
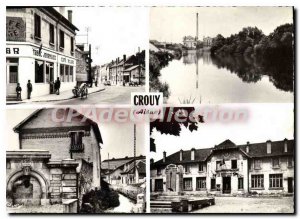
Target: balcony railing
<point>77,148</point>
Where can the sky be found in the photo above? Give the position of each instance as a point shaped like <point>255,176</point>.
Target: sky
<point>266,122</point>
<point>171,24</point>
<point>117,137</point>
<point>114,30</point>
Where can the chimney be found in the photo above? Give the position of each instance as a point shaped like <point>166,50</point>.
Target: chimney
<point>180,155</point>
<point>193,154</point>
<point>269,150</point>
<point>117,60</point>
<point>285,145</point>
<point>197,26</point>
<point>247,147</point>
<point>151,161</point>
<point>70,12</point>
<point>164,156</point>
<point>124,58</point>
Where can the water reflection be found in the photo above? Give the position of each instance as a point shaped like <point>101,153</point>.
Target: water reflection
<point>220,79</point>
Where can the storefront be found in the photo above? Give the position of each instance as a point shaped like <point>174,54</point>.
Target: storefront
<point>42,66</point>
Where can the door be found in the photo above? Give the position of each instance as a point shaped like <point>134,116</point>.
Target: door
<point>159,185</point>
<point>226,185</point>
<point>290,185</point>
<point>12,76</point>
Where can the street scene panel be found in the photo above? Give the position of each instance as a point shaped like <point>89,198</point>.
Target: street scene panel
<point>63,55</point>
<point>62,160</point>
<point>200,166</point>
<point>213,55</point>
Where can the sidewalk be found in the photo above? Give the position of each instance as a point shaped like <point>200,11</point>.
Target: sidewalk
<point>65,95</point>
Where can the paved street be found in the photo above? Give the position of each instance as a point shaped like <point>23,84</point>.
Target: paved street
<point>250,205</point>
<point>111,95</point>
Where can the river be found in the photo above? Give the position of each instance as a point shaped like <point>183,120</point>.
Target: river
<point>126,205</point>
<point>199,77</point>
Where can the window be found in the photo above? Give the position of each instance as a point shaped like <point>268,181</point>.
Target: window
<point>71,74</point>
<point>13,69</point>
<point>187,168</point>
<point>275,180</point>
<point>275,162</point>
<point>233,164</point>
<point>76,141</point>
<point>61,39</point>
<point>187,184</point>
<point>39,71</point>
<point>158,171</point>
<point>51,33</point>
<point>49,72</point>
<point>72,45</point>
<point>257,164</point>
<point>62,73</point>
<point>218,163</point>
<point>257,181</point>
<point>158,186</point>
<point>290,161</point>
<point>213,184</point>
<point>67,73</point>
<point>241,183</point>
<point>37,26</point>
<point>200,183</point>
<point>201,167</point>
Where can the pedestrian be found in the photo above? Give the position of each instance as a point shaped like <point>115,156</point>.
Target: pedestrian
<point>57,85</point>
<point>19,90</point>
<point>29,89</point>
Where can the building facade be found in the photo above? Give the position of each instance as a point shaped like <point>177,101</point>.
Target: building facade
<point>190,42</point>
<point>81,70</point>
<point>40,46</point>
<point>262,168</point>
<point>56,160</point>
<point>207,41</point>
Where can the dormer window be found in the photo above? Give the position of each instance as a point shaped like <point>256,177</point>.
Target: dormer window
<point>76,141</point>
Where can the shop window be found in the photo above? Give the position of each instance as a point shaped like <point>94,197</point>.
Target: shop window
<point>49,72</point>
<point>37,26</point>
<point>200,183</point>
<point>241,183</point>
<point>51,33</point>
<point>71,78</point>
<point>67,68</point>
<point>13,69</point>
<point>187,184</point>
<point>61,39</point>
<point>39,71</point>
<point>257,181</point>
<point>62,73</point>
<point>275,180</point>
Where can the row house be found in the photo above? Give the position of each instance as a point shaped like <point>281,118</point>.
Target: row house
<point>227,168</point>
<point>56,160</point>
<point>124,171</point>
<point>40,46</point>
<point>131,69</point>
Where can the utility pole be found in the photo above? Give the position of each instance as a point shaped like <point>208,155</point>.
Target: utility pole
<point>138,57</point>
<point>134,152</point>
<point>90,79</point>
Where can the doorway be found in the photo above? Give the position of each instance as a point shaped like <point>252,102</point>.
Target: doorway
<point>12,76</point>
<point>226,185</point>
<point>290,185</point>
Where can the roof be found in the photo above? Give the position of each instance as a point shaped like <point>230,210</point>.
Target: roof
<point>256,150</point>
<point>133,67</point>
<point>36,113</point>
<point>116,163</point>
<point>140,164</point>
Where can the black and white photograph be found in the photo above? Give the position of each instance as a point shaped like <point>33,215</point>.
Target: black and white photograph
<point>71,56</point>
<point>204,166</point>
<point>60,160</point>
<point>214,55</point>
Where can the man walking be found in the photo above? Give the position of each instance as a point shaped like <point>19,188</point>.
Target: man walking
<point>19,90</point>
<point>57,85</point>
<point>29,89</point>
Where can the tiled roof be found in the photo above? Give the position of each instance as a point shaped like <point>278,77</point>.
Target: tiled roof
<point>133,67</point>
<point>255,150</point>
<point>115,163</point>
<point>141,166</point>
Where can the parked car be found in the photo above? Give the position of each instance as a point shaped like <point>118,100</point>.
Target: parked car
<point>107,83</point>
